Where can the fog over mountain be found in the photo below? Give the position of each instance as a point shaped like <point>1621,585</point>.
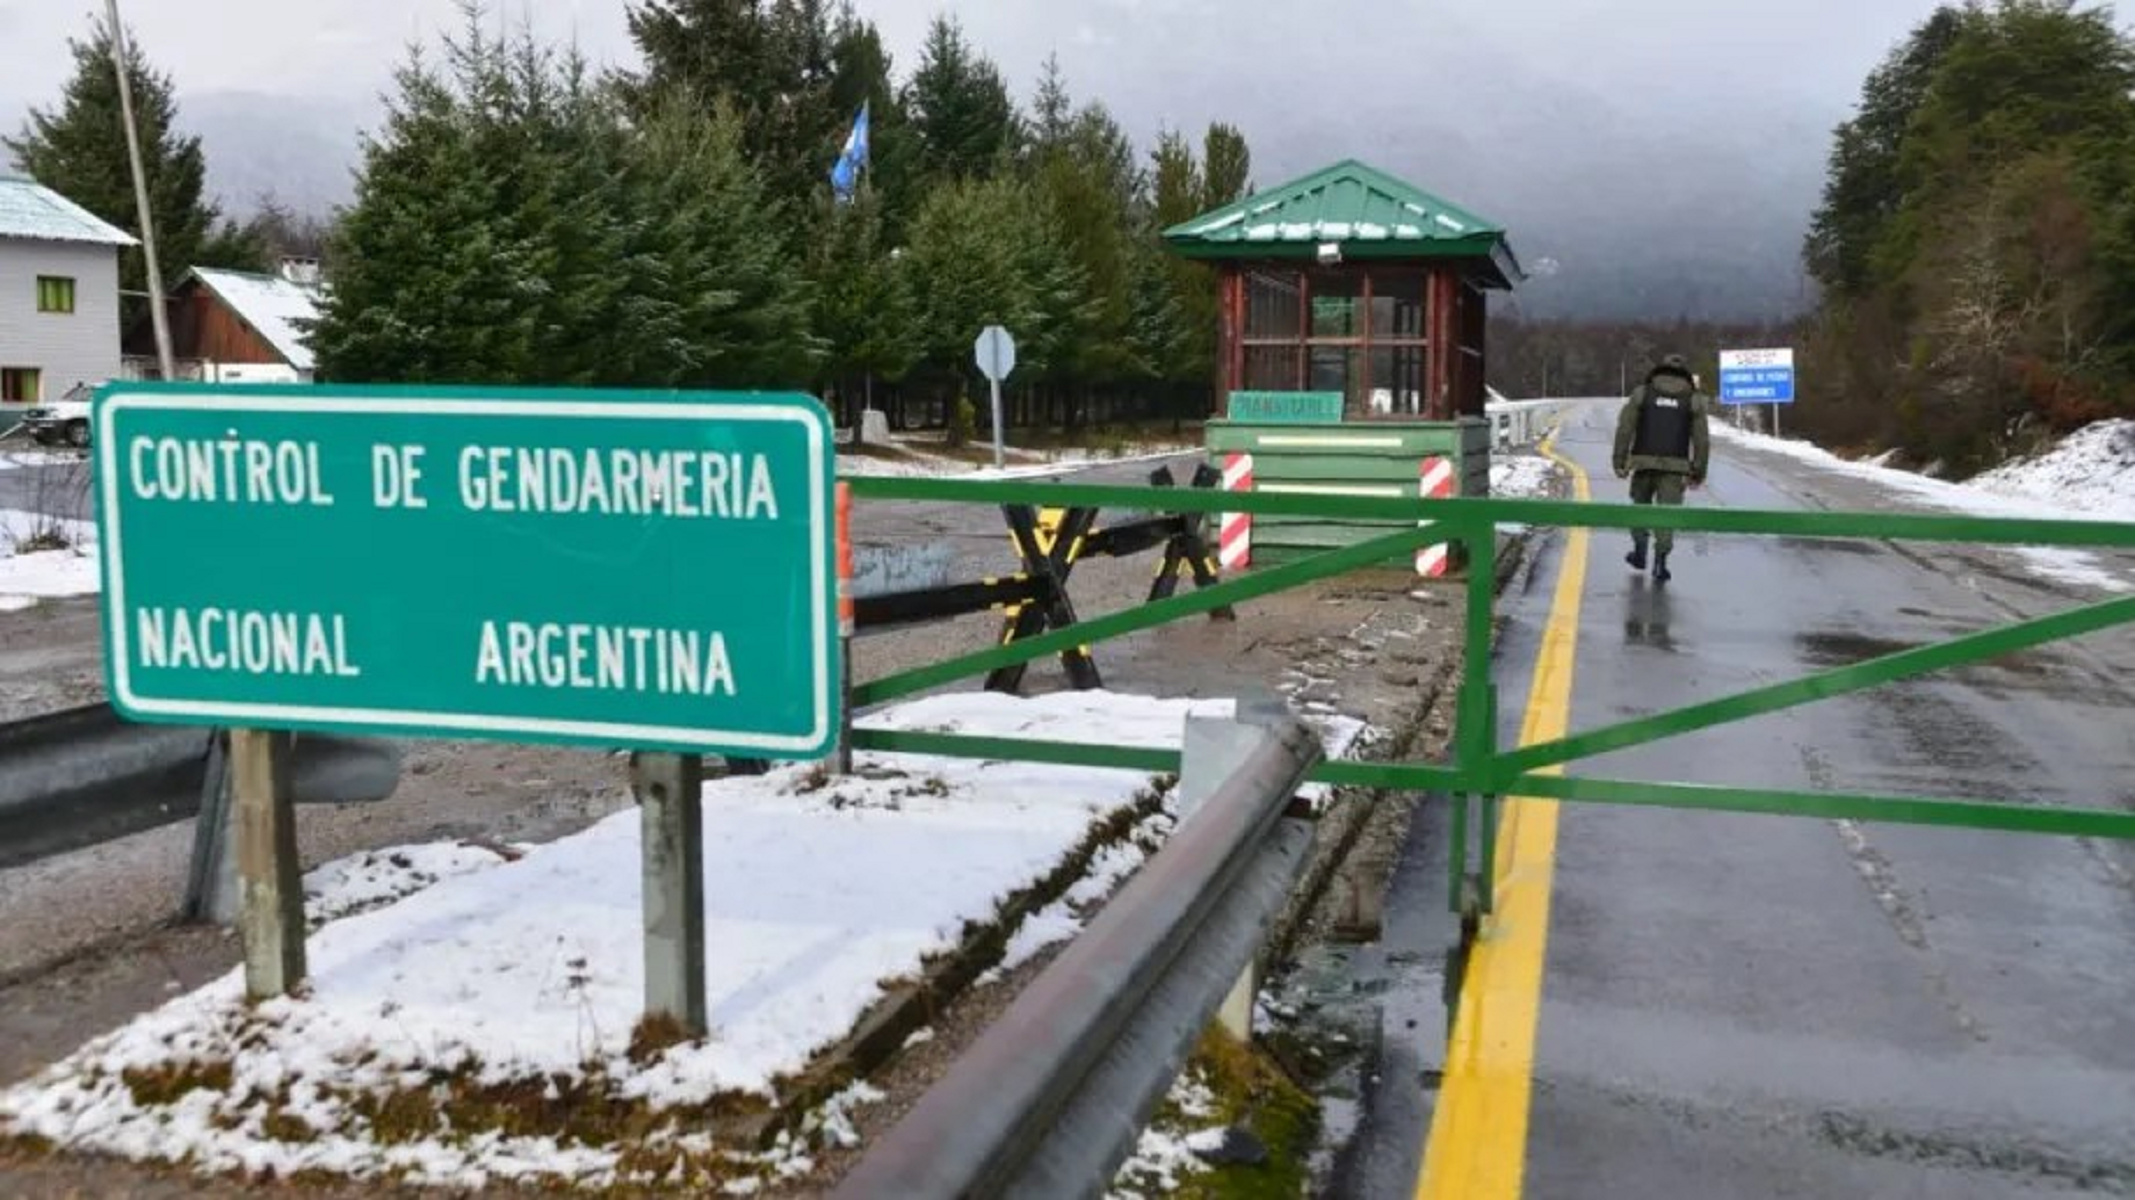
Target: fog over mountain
<point>1651,157</point>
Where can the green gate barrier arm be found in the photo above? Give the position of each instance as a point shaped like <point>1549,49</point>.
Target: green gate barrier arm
<point>1146,616</point>
<point>1874,672</point>
<point>1902,810</point>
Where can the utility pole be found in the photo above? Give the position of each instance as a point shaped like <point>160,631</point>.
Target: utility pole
<point>121,61</point>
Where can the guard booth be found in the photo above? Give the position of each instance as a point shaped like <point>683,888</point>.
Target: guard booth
<point>1351,351</point>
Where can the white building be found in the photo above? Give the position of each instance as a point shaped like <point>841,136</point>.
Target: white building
<point>59,295</point>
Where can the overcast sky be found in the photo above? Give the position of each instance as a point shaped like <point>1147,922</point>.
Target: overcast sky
<point>1809,49</point>
<point>1555,116</point>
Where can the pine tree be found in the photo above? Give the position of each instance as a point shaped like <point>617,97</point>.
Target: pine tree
<point>771,61</point>
<point>1087,184</point>
<point>741,302</point>
<point>864,314</point>
<point>78,148</point>
<point>960,106</point>
<point>1052,112</point>
<point>1864,189</point>
<point>511,227</point>
<point>970,268</point>
<point>433,284</point>
<point>1179,193</point>
<point>1227,170</point>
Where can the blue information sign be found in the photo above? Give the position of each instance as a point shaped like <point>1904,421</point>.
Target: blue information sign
<point>1756,377</point>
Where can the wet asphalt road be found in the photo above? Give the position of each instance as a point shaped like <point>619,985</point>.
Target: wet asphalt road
<point>1745,1006</point>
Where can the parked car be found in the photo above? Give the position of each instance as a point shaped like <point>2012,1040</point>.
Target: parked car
<point>62,422</point>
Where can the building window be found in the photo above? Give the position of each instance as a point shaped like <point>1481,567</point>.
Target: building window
<point>21,385</point>
<point>55,294</point>
<point>1359,331</point>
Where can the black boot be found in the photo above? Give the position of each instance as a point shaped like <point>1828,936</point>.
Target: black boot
<point>1637,556</point>
<point>1660,568</point>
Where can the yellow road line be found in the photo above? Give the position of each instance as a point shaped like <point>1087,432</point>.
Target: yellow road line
<point>1478,1136</point>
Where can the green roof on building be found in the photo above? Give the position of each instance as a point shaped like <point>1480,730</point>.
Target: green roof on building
<point>1366,212</point>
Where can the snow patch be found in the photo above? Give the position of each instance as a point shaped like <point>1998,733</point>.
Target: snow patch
<point>16,460</point>
<point>1164,1157</point>
<point>819,892</point>
<point>377,878</point>
<point>27,577</point>
<point>1522,477</point>
<point>2085,484</point>
<point>2092,471</point>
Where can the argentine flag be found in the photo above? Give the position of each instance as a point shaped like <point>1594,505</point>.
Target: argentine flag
<point>851,160</point>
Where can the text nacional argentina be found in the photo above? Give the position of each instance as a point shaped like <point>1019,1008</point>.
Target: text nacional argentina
<point>684,484</point>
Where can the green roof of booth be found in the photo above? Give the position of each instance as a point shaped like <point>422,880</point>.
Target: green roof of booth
<point>1369,214</point>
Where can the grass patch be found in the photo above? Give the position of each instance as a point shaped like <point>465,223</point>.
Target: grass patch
<point>1253,1094</point>
<point>656,1034</point>
<point>168,1083</point>
<point>43,540</point>
<point>285,1126</point>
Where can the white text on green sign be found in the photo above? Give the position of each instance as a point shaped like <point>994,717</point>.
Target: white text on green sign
<point>627,569</point>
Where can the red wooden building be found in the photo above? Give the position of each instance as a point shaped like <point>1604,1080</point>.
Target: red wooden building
<point>233,327</point>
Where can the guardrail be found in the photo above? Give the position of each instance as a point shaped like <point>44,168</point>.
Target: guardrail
<point>1525,422</point>
<point>82,776</point>
<point>1051,1098</point>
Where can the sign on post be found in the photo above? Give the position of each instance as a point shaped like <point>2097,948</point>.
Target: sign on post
<point>1757,377</point>
<point>641,570</point>
<point>995,351</point>
<point>1286,408</point>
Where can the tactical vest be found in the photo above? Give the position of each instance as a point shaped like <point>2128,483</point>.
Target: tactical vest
<point>1663,426</point>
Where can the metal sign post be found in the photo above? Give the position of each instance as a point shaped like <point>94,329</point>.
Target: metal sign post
<point>995,351</point>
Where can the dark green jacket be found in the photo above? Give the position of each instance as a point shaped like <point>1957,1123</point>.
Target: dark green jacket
<point>1666,382</point>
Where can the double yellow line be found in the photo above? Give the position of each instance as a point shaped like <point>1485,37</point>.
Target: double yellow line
<point>1478,1136</point>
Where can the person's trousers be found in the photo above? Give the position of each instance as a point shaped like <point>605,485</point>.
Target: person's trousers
<point>1656,487</point>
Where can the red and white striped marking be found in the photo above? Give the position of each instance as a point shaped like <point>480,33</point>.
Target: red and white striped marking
<point>1437,480</point>
<point>1234,549</point>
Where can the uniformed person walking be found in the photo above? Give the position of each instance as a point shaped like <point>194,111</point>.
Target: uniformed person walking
<point>1662,444</point>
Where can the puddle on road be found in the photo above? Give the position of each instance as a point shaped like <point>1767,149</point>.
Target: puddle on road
<point>1845,647</point>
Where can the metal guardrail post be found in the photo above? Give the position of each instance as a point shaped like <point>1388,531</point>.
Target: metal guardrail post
<point>1051,1098</point>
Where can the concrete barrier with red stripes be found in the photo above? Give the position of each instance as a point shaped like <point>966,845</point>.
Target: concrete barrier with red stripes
<point>1234,545</point>
<point>1437,481</point>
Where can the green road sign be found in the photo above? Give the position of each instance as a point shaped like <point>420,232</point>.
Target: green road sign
<point>634,569</point>
<point>1286,408</point>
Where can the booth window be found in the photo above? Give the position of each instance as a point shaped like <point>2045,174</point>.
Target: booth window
<point>1354,330</point>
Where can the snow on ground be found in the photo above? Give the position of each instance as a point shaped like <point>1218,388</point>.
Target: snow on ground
<point>374,879</point>
<point>529,972</point>
<point>1164,1157</point>
<point>1522,477</point>
<point>27,577</point>
<point>16,460</point>
<point>2070,483</point>
<point>2092,470</point>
